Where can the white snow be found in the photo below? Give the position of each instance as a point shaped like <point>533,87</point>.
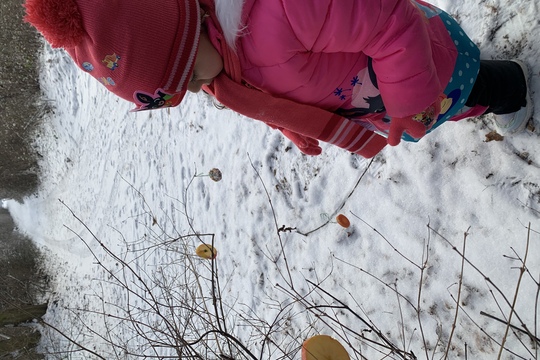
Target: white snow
<point>128,175</point>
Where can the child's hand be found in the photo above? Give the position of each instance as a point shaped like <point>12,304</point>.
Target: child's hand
<point>416,125</point>
<point>307,145</point>
<point>407,124</point>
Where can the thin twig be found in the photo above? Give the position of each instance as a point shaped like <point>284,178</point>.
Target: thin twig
<point>487,279</point>
<point>71,340</point>
<point>379,280</point>
<point>512,308</point>
<point>222,326</point>
<point>536,316</point>
<point>487,334</point>
<point>387,241</point>
<point>372,328</point>
<point>228,336</point>
<point>342,204</point>
<point>401,318</point>
<point>290,280</point>
<point>506,323</point>
<point>458,296</point>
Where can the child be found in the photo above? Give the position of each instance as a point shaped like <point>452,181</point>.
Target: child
<point>357,74</point>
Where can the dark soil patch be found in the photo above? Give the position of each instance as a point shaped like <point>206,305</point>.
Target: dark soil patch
<point>21,280</point>
<point>19,96</point>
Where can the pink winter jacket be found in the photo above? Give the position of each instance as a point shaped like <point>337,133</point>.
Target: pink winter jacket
<point>317,52</point>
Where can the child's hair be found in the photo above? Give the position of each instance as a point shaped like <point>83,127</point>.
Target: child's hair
<point>141,51</point>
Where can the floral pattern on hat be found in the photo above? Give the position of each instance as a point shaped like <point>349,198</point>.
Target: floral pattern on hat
<point>111,61</point>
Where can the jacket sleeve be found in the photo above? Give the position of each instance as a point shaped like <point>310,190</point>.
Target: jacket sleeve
<point>394,33</point>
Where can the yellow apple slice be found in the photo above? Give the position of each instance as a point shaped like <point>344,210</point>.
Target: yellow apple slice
<point>323,347</point>
<point>206,251</point>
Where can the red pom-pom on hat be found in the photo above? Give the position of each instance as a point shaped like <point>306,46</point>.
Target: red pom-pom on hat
<point>59,21</point>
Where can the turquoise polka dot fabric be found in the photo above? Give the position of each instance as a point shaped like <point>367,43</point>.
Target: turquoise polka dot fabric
<point>465,71</point>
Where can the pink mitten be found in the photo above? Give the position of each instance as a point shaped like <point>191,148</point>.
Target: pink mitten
<point>307,145</point>
<point>416,125</point>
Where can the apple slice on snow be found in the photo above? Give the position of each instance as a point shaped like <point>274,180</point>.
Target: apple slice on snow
<point>206,251</point>
<point>323,347</point>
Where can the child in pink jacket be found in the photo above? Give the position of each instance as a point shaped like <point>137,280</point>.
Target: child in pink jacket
<point>357,74</point>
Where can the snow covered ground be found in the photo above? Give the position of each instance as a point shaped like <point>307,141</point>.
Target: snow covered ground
<point>128,175</point>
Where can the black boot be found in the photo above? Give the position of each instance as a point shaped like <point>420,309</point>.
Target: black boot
<point>501,86</point>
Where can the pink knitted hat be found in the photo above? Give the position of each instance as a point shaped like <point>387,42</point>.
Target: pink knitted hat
<point>142,51</point>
